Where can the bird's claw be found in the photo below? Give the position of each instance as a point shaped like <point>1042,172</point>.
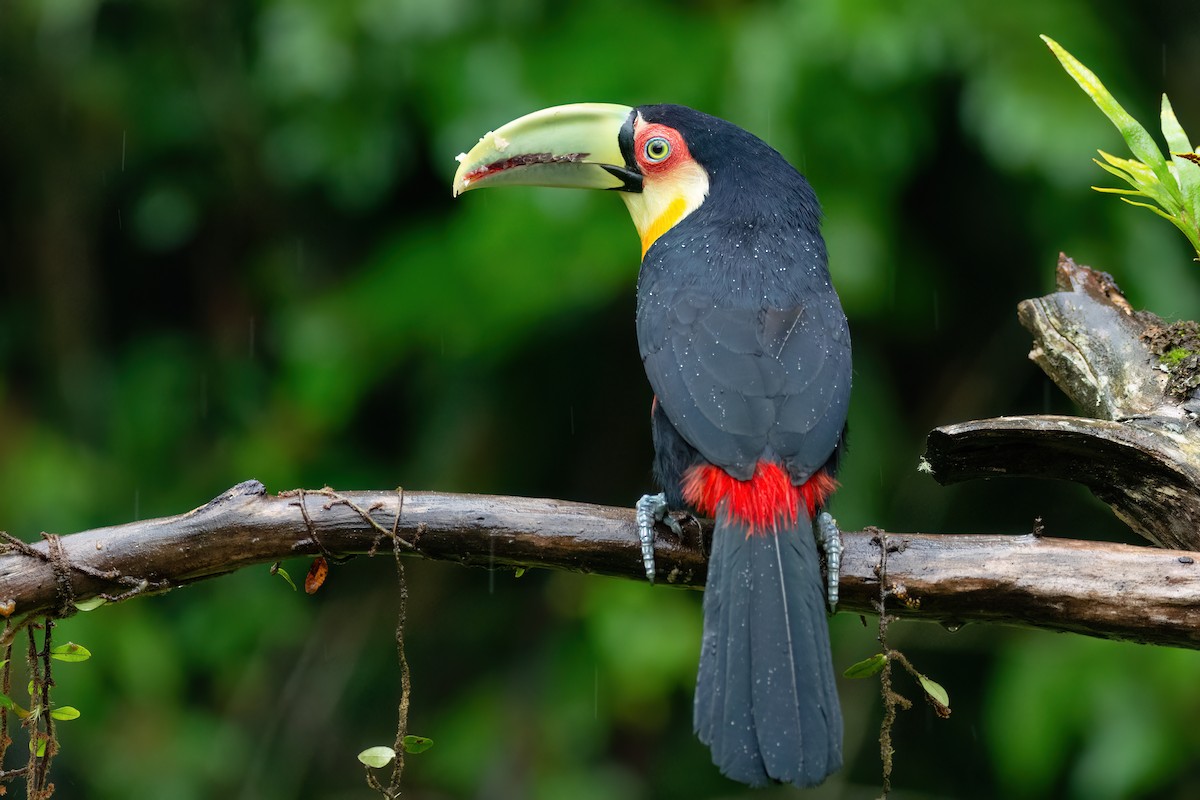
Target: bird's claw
<point>651,510</point>
<point>830,539</point>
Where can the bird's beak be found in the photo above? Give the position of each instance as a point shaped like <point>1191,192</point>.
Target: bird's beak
<point>576,145</point>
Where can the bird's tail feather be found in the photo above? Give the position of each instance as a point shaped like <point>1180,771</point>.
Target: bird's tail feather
<point>766,699</point>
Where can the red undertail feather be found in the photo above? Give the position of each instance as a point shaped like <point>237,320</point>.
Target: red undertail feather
<point>768,499</point>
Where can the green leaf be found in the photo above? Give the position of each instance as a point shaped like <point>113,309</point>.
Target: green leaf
<point>377,756</point>
<point>1120,173</point>
<point>1187,172</point>
<point>935,691</point>
<point>1177,140</point>
<point>41,746</point>
<point>520,571</point>
<point>10,704</point>
<point>1137,175</point>
<point>91,604</point>
<point>1141,144</point>
<point>1111,190</point>
<point>1138,171</point>
<point>70,652</point>
<point>1123,176</point>
<point>1155,209</point>
<point>64,713</point>
<point>867,667</point>
<point>283,573</point>
<point>416,744</point>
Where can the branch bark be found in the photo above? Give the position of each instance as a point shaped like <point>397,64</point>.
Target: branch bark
<point>1141,451</point>
<point>1113,591</point>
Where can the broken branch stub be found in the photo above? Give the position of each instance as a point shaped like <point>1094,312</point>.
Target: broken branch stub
<point>1140,452</point>
<point>1089,341</point>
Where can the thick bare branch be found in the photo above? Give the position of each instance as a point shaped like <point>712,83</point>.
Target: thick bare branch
<point>1113,591</point>
<point>1144,472</point>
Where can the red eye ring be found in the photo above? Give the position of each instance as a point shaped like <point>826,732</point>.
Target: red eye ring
<point>658,147</point>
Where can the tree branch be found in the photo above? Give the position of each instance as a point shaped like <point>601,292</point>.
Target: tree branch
<point>1113,591</point>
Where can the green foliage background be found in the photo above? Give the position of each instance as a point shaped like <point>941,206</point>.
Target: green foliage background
<point>229,251</point>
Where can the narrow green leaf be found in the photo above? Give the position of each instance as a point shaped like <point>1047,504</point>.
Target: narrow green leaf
<point>1155,209</point>
<point>1136,169</point>
<point>377,756</point>
<point>1141,144</point>
<point>1177,140</point>
<point>91,604</point>
<point>41,746</point>
<point>283,573</point>
<point>935,691</point>
<point>1120,173</point>
<point>1187,171</point>
<point>416,744</point>
<point>867,667</point>
<point>1151,188</point>
<point>64,713</point>
<point>1110,190</point>
<point>520,571</point>
<point>70,652</point>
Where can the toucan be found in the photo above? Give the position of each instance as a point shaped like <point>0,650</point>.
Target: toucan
<point>747,350</point>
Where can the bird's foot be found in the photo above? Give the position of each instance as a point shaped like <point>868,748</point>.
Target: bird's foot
<point>651,510</point>
<point>830,539</point>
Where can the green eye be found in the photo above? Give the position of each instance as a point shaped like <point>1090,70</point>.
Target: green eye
<point>657,148</point>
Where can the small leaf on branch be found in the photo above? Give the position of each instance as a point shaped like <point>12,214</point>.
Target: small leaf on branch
<point>276,569</point>
<point>867,667</point>
<point>416,744</point>
<point>377,757</point>
<point>64,713</point>
<point>91,604</point>
<point>936,695</point>
<point>70,652</point>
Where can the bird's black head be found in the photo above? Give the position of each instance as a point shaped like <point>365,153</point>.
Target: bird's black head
<point>691,160</point>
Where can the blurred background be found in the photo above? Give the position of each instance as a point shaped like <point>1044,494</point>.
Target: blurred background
<point>228,250</point>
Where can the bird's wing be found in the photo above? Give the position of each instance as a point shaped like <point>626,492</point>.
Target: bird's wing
<point>743,383</point>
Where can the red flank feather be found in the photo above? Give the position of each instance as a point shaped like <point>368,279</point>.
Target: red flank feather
<point>765,501</point>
